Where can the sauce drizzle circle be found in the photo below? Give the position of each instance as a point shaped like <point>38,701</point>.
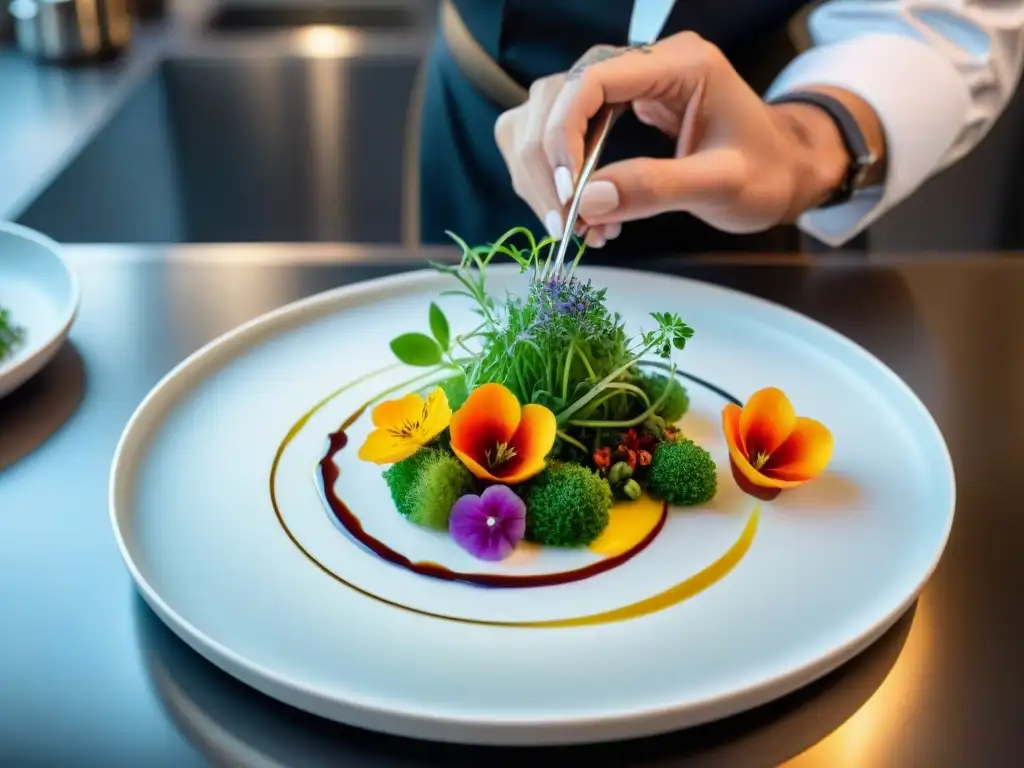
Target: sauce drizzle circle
<point>328,474</point>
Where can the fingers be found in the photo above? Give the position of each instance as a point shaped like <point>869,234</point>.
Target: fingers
<point>668,73</point>
<point>657,115</point>
<point>519,134</point>
<point>542,141</point>
<point>644,187</point>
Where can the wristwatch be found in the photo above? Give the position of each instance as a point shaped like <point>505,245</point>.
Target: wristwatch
<point>862,159</point>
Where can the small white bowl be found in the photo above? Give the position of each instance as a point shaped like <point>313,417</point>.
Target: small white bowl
<point>41,292</point>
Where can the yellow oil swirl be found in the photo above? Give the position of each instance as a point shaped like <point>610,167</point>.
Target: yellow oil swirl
<point>620,530</point>
<point>674,595</point>
<point>629,523</point>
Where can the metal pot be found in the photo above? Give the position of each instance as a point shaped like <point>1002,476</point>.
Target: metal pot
<point>72,31</point>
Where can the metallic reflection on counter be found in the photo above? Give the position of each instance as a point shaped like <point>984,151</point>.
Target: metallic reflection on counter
<point>306,146</point>
<point>232,724</point>
<point>72,31</point>
<point>32,414</point>
<point>281,15</point>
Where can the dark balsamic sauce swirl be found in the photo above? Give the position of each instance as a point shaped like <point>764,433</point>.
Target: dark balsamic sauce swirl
<point>328,474</point>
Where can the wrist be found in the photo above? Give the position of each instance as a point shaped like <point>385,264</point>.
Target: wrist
<point>815,153</point>
<point>823,160</point>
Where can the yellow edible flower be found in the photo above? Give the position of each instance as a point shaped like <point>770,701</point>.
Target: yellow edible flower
<point>405,425</point>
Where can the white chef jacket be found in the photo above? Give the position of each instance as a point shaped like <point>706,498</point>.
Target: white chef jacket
<point>938,74</point>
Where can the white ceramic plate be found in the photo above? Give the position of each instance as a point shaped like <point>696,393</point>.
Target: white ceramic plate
<point>41,292</point>
<point>271,590</point>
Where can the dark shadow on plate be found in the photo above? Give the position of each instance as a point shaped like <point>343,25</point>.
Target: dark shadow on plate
<point>34,412</point>
<point>232,724</point>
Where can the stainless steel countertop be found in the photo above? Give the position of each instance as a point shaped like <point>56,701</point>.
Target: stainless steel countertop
<point>88,677</point>
<point>48,114</point>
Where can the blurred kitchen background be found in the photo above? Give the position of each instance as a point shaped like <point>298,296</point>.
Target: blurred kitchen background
<point>286,121</point>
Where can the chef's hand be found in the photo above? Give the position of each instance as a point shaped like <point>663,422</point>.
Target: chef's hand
<point>741,165</point>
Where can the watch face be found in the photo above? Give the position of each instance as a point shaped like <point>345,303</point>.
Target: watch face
<point>859,175</point>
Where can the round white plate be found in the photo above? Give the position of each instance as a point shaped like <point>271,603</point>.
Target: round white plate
<point>41,292</point>
<point>215,510</point>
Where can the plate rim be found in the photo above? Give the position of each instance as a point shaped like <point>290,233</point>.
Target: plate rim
<point>22,370</point>
<point>610,724</point>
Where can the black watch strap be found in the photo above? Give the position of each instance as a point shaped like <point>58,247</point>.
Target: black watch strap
<point>861,157</point>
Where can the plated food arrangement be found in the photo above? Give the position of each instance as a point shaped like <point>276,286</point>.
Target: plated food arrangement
<point>468,502</point>
<point>550,425</point>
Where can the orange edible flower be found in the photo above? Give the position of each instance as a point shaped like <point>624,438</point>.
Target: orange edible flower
<point>497,439</point>
<point>770,447</point>
<point>603,458</point>
<point>405,425</point>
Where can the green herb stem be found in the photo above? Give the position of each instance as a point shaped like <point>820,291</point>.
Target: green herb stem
<point>651,410</point>
<point>586,362</point>
<point>572,441</point>
<point>568,368</point>
<point>563,417</point>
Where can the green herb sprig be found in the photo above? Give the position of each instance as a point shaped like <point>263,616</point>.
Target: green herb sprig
<point>557,346</point>
<point>11,335</point>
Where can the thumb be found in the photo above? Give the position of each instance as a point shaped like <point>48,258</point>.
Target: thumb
<point>645,187</point>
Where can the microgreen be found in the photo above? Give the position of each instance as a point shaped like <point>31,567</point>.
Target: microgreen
<point>558,345</point>
<point>417,349</point>
<point>10,335</point>
<point>439,326</point>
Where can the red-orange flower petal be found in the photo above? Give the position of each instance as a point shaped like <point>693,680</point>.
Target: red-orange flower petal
<point>533,441</point>
<point>474,466</point>
<point>731,427</point>
<point>804,454</point>
<point>489,416</point>
<point>766,420</point>
<point>498,440</point>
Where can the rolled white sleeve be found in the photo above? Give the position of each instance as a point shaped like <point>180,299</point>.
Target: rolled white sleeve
<point>938,74</point>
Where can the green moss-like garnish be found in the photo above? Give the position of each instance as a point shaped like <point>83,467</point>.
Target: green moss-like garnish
<point>566,506</point>
<point>675,405</point>
<point>682,473</point>
<point>426,485</point>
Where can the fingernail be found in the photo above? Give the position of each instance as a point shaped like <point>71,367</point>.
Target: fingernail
<point>553,222</point>
<point>613,230</point>
<point>563,184</point>
<point>599,198</point>
<point>595,238</point>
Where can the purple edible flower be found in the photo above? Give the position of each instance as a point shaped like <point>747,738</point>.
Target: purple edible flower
<point>564,296</point>
<point>490,525</point>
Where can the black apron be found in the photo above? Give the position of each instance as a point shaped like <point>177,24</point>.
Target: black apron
<point>464,184</point>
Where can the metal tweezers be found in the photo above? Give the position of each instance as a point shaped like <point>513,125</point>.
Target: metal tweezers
<point>600,127</point>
